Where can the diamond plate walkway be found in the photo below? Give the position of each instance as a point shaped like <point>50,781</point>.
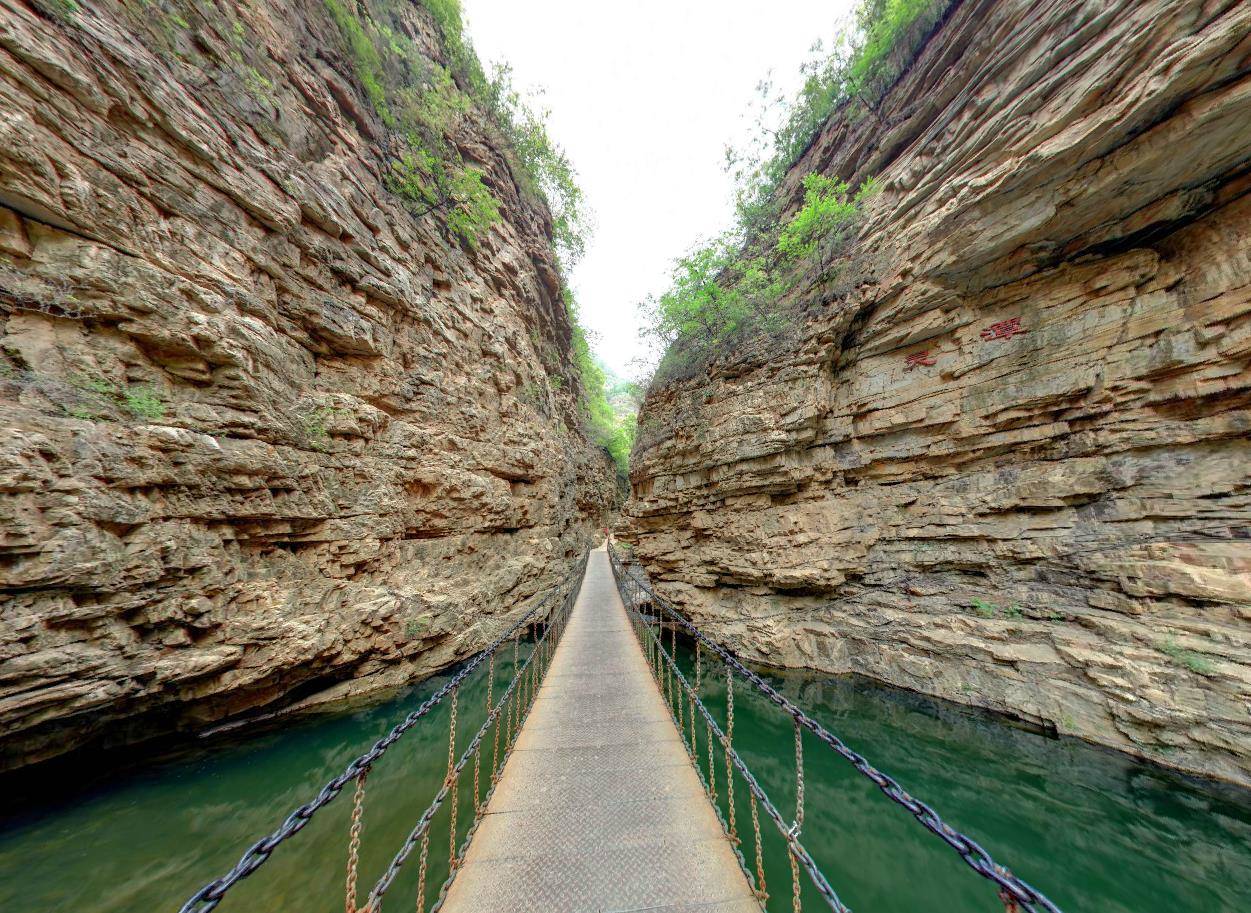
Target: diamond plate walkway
<point>599,808</point>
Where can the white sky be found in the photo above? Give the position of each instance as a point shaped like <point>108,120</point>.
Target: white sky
<point>644,96</point>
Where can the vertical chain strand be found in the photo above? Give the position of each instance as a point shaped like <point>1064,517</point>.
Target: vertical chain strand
<point>477,801</point>
<point>762,892</point>
<point>543,627</point>
<point>796,902</point>
<point>799,779</point>
<point>728,745</point>
<point>453,782</point>
<point>354,842</point>
<point>495,737</point>
<point>516,698</point>
<point>422,864</point>
<point>693,692</point>
<point>677,687</point>
<point>712,768</point>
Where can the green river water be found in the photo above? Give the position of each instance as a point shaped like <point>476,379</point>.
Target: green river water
<point>1095,831</point>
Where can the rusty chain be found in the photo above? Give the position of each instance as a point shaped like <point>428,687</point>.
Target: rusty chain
<point>796,904</point>
<point>1015,893</point>
<point>354,842</point>
<point>727,745</point>
<point>422,863</point>
<point>517,710</point>
<point>761,891</point>
<point>453,783</point>
<point>210,895</point>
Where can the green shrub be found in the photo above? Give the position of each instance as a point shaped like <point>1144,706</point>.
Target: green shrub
<point>412,178</point>
<point>984,608</point>
<point>473,208</point>
<point>141,402</point>
<point>720,293</point>
<point>424,102</point>
<point>545,169</point>
<point>144,403</point>
<point>734,286</point>
<point>315,421</point>
<point>61,9</point>
<point>82,412</point>
<point>829,210</point>
<point>1195,662</point>
<point>611,426</point>
<point>365,57</point>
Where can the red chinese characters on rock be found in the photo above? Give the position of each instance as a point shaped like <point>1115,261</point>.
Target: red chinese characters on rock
<point>917,359</point>
<point>1005,329</point>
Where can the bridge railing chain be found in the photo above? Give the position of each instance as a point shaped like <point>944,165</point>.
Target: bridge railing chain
<point>504,716</point>
<point>651,614</point>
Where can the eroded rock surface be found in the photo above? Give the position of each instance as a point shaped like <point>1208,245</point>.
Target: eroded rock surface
<point>261,430</point>
<point>1052,522</point>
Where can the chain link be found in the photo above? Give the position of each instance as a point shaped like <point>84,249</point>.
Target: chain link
<point>422,864</point>
<point>691,695</point>
<point>677,693</point>
<point>727,743</point>
<point>354,842</point>
<point>761,891</point>
<point>453,782</point>
<point>796,900</point>
<point>509,700</point>
<point>799,778</point>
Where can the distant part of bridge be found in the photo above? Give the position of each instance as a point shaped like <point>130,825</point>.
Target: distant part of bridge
<point>598,779</point>
<point>599,807</point>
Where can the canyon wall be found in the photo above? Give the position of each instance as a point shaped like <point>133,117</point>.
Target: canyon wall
<point>265,433</point>
<point>1003,456</point>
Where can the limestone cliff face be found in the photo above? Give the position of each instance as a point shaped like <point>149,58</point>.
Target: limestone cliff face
<point>262,431</point>
<point>1053,522</point>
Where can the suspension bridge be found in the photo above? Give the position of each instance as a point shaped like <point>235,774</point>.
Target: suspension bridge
<point>600,780</point>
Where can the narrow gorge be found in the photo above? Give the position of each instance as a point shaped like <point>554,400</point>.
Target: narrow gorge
<point>481,457</point>
<point>1000,455</point>
<point>276,426</point>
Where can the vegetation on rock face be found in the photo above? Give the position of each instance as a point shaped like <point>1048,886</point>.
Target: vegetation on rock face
<point>609,404</point>
<point>728,290</point>
<point>829,207</point>
<point>852,77</point>
<point>424,103</point>
<point>733,287</point>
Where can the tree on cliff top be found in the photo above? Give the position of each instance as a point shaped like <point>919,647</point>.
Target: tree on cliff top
<point>864,60</point>
<point>730,289</point>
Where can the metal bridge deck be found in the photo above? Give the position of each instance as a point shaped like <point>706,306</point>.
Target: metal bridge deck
<point>599,808</point>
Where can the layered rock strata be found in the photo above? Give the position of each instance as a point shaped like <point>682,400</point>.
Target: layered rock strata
<point>1005,458</point>
<point>262,430</point>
